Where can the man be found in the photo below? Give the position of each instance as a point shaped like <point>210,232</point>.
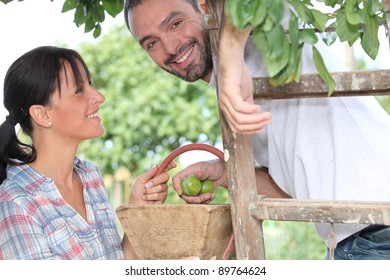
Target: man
<point>320,148</point>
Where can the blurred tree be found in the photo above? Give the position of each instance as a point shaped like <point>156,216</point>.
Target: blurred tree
<point>292,241</point>
<point>147,112</point>
<point>385,102</point>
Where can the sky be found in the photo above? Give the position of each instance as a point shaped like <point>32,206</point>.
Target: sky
<point>28,24</point>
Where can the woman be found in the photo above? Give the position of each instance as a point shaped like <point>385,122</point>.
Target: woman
<point>53,205</point>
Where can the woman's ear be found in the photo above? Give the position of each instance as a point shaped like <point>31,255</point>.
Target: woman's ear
<point>39,114</point>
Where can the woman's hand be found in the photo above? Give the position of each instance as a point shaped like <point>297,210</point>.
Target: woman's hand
<point>148,189</point>
<point>213,170</point>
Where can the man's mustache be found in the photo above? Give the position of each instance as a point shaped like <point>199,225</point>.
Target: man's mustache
<point>172,58</point>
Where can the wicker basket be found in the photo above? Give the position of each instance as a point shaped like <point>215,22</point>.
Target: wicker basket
<point>177,231</point>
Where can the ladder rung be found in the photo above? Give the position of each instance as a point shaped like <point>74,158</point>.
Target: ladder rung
<point>356,212</point>
<point>358,83</point>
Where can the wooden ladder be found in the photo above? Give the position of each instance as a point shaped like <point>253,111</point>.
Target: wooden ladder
<point>247,207</point>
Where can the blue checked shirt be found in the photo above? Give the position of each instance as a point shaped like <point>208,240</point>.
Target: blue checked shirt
<point>37,223</point>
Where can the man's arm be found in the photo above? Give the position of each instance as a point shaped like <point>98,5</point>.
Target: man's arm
<point>266,185</point>
<point>235,83</point>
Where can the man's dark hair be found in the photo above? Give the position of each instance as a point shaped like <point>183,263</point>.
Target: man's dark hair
<point>129,4</point>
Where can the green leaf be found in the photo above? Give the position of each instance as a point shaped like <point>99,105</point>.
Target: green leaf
<point>99,14</point>
<point>374,6</point>
<point>89,25</point>
<point>292,71</point>
<point>345,30</point>
<point>302,10</point>
<point>294,63</point>
<point>319,19</point>
<point>281,78</point>
<point>293,30</point>
<point>79,15</point>
<point>275,39</point>
<point>308,36</point>
<point>352,12</point>
<point>260,40</point>
<point>69,5</point>
<point>237,13</point>
<point>97,31</point>
<point>231,13</point>
<point>275,10</point>
<point>113,7</point>
<point>268,24</point>
<point>274,66</point>
<point>370,41</point>
<point>260,13</point>
<point>332,3</point>
<point>323,71</point>
<point>296,67</point>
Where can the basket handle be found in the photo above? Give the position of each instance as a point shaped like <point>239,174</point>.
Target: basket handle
<point>190,147</point>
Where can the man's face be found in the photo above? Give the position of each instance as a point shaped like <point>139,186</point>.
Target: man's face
<point>174,36</point>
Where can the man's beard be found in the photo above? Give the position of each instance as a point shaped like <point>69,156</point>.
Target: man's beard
<point>194,72</point>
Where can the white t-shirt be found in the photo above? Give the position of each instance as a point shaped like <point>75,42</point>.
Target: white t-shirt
<point>335,148</point>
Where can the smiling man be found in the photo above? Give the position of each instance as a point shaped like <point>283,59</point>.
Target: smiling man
<point>174,36</point>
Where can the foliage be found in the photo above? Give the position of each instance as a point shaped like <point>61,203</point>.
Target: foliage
<point>347,20</point>
<point>147,112</point>
<point>350,19</point>
<point>91,13</point>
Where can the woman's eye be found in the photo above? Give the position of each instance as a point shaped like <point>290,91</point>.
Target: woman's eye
<point>80,90</point>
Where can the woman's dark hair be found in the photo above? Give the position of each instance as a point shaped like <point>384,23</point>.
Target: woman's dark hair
<point>31,80</point>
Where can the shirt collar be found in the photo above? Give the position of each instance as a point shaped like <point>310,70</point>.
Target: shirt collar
<point>29,178</point>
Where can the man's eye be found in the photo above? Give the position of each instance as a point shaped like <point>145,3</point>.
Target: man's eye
<point>151,44</point>
<point>176,24</point>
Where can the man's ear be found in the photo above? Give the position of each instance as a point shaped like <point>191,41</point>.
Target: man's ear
<point>39,114</point>
<point>202,4</point>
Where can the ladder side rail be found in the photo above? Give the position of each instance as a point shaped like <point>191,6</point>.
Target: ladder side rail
<point>249,243</point>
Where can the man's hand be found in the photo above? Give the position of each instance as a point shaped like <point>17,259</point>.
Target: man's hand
<point>213,170</point>
<point>235,84</point>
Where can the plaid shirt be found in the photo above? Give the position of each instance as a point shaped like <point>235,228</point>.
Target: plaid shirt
<point>37,223</point>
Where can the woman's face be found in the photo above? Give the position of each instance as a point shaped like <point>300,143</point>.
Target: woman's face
<point>74,113</point>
